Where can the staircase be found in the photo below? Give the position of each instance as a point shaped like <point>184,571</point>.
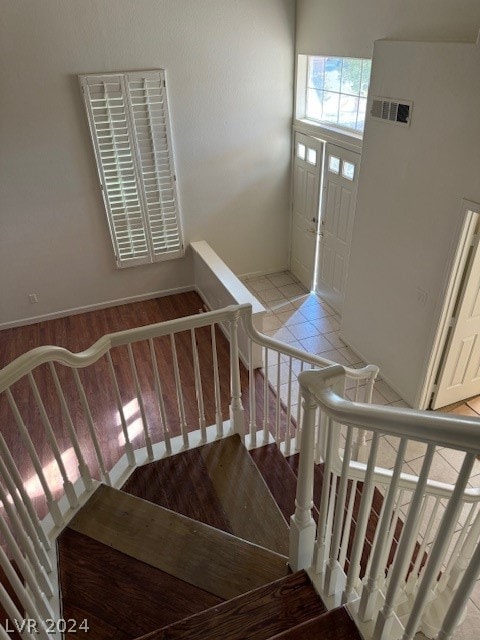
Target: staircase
<point>194,546</point>
<point>119,464</point>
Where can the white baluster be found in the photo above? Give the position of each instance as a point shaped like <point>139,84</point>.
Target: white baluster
<point>277,403</point>
<point>91,427</point>
<point>334,570</point>
<point>384,620</point>
<point>388,547</point>
<point>23,595</point>
<point>298,435</point>
<point>67,484</point>
<point>216,381</point>
<point>236,408</point>
<point>377,569</point>
<point>460,597</point>
<point>13,614</point>
<point>178,386</point>
<point>27,523</point>
<point>434,562</point>
<point>199,389</point>
<point>141,404</point>
<point>52,505</point>
<point>465,555</point>
<point>320,549</point>
<point>348,524</point>
<point>252,397</point>
<point>416,573</point>
<point>37,583</point>
<point>266,397</point>
<point>288,427</point>
<point>128,445</point>
<point>159,392</point>
<point>82,466</point>
<point>362,521</point>
<point>302,524</point>
<point>456,550</point>
<point>361,440</point>
<point>14,474</point>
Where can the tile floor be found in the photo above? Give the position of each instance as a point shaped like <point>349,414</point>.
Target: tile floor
<point>303,320</point>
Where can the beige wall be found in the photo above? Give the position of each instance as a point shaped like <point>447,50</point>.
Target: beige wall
<point>230,74</point>
<point>349,27</point>
<point>413,180</point>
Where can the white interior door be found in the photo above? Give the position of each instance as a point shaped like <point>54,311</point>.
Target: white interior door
<point>340,180</point>
<point>306,192</point>
<point>460,371</point>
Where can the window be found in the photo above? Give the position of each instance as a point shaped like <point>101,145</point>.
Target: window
<point>128,117</point>
<point>336,91</point>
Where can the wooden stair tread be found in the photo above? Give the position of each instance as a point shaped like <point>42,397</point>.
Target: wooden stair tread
<point>217,484</point>
<point>332,625</point>
<point>279,476</point>
<point>201,555</point>
<point>118,595</point>
<point>180,483</point>
<point>257,615</point>
<point>250,507</point>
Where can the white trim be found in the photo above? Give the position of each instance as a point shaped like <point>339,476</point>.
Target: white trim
<point>470,212</point>
<point>351,142</point>
<point>95,307</point>
<point>265,272</point>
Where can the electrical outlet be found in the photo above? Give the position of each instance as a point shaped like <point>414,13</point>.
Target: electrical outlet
<point>33,298</point>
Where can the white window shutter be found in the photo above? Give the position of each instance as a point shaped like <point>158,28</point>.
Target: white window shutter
<point>128,118</point>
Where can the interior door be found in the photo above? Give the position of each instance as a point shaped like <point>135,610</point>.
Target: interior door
<point>460,370</point>
<point>306,192</point>
<point>340,180</point>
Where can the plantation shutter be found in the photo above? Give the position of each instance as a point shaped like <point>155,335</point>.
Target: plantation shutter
<point>128,117</point>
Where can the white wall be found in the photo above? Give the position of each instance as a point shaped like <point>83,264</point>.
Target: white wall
<point>230,74</point>
<point>412,181</point>
<point>349,27</point>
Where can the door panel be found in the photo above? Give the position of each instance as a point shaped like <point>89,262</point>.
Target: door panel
<point>460,371</point>
<point>340,178</point>
<point>306,188</point>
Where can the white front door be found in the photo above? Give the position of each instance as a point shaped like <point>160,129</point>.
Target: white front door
<point>340,180</point>
<point>460,371</point>
<point>306,189</point>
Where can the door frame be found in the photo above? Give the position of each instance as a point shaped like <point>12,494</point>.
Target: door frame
<point>469,219</point>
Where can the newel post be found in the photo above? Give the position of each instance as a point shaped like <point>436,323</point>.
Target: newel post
<point>302,524</point>
<point>237,418</point>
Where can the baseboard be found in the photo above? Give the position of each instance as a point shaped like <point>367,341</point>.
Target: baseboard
<point>95,307</point>
<point>259,274</point>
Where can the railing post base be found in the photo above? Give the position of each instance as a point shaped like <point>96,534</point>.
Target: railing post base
<point>334,578</point>
<point>302,541</point>
<point>368,606</point>
<point>383,626</point>
<point>237,420</point>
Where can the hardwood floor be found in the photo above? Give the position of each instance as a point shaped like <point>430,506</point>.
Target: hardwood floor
<point>77,333</point>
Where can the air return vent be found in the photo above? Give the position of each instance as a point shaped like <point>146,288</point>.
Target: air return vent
<point>392,111</point>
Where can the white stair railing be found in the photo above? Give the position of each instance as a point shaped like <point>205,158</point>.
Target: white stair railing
<point>402,568</point>
<point>44,479</point>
